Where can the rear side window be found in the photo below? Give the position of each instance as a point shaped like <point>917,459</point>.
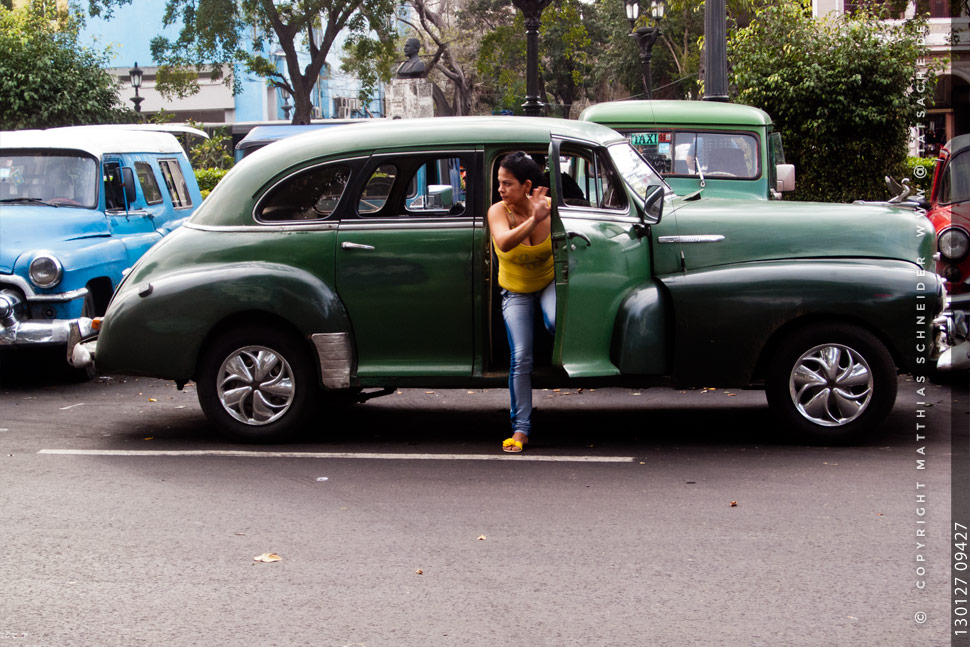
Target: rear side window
<point>175,183</point>
<point>149,185</point>
<point>310,195</point>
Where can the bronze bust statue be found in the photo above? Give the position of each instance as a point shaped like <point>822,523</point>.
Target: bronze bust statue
<point>413,67</point>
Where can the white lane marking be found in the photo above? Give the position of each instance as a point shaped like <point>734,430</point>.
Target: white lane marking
<point>362,455</point>
<point>71,406</point>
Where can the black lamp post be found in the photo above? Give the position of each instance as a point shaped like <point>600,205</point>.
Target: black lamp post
<point>135,74</point>
<point>532,11</point>
<point>646,36</point>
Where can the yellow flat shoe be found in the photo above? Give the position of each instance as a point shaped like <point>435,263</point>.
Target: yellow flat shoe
<point>512,446</point>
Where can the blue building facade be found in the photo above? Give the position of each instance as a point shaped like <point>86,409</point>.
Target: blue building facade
<point>127,36</point>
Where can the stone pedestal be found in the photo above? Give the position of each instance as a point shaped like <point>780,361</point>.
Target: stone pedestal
<point>409,99</point>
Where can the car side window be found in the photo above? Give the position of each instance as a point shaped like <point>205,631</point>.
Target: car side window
<point>377,190</point>
<point>437,188</point>
<point>114,189</point>
<point>415,185</point>
<point>175,182</point>
<point>589,180</point>
<point>149,185</point>
<point>309,195</point>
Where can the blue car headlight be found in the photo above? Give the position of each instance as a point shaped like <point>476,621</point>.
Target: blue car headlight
<point>45,271</point>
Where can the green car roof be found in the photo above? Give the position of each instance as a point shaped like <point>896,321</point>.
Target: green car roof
<point>641,113</point>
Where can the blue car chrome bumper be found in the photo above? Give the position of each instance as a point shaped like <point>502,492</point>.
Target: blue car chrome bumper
<point>18,331</point>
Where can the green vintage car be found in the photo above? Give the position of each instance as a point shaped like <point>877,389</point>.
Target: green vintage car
<point>728,150</point>
<point>341,264</point>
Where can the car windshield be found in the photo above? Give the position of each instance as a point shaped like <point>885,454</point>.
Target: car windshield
<point>637,173</point>
<point>731,155</point>
<point>50,177</point>
<point>955,183</point>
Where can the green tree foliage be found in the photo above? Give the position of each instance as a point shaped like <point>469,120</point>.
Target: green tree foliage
<point>220,33</point>
<point>48,78</point>
<point>843,92</point>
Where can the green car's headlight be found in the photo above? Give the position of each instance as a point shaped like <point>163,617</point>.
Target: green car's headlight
<point>45,271</point>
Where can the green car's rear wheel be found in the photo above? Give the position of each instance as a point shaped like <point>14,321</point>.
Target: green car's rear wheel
<point>257,385</point>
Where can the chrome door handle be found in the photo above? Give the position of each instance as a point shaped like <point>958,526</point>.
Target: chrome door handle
<point>346,245</point>
<point>581,236</point>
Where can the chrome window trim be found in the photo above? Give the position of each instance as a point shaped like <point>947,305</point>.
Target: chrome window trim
<point>315,225</point>
<point>406,222</point>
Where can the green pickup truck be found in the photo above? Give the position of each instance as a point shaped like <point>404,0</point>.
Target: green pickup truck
<point>726,149</point>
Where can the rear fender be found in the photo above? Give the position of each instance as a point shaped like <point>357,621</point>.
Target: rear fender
<point>161,324</point>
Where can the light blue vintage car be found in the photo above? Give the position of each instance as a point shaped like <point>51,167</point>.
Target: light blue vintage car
<point>78,206</point>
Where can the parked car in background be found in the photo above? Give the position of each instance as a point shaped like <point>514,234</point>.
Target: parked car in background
<point>949,211</point>
<point>312,271</point>
<point>266,134</point>
<point>78,207</point>
<point>726,149</point>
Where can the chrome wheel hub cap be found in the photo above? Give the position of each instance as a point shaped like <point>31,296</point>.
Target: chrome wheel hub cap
<point>831,385</point>
<point>255,385</point>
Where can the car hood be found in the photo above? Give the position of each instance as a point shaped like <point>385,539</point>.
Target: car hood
<point>35,227</point>
<point>774,230</point>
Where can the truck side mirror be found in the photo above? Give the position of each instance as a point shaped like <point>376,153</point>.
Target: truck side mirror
<point>785,178</point>
<point>128,181</point>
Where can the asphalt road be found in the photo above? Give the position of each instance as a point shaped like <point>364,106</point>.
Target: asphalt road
<point>653,517</point>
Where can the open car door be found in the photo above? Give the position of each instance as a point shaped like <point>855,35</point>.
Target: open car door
<point>600,253</point>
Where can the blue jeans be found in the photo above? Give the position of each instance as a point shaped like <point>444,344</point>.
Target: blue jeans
<point>518,310</point>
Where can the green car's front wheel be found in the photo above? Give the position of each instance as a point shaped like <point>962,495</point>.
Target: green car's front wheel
<point>257,385</point>
<point>831,383</point>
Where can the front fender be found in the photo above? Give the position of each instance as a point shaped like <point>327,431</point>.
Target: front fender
<point>725,317</point>
<point>157,327</point>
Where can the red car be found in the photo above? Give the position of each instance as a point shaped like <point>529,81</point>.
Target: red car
<point>949,211</point>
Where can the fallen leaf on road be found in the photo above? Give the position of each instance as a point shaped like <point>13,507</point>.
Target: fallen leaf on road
<point>267,558</point>
<point>481,538</point>
<point>419,572</point>
<point>152,400</point>
<point>734,504</point>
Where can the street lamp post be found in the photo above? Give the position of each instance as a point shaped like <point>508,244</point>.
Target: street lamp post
<point>532,11</point>
<point>135,75</point>
<point>646,36</point>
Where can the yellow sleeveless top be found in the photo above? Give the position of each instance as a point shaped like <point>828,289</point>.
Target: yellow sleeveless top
<point>526,268</point>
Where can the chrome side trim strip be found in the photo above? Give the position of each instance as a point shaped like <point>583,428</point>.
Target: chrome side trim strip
<point>335,356</point>
<point>695,238</point>
<point>404,223</point>
<point>316,226</point>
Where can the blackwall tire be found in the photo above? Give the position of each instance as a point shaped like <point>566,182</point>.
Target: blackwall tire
<point>831,384</point>
<point>257,385</point>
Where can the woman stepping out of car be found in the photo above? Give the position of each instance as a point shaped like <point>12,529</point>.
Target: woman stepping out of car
<point>521,235</point>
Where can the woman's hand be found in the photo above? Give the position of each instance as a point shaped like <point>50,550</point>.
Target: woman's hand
<point>540,203</point>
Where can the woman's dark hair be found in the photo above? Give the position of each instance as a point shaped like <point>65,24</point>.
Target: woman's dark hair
<point>522,167</point>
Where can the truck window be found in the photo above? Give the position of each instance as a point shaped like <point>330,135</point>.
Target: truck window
<point>175,182</point>
<point>149,185</point>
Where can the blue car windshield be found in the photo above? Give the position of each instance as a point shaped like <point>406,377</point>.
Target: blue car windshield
<point>67,178</point>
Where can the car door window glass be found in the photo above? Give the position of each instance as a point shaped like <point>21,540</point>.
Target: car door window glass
<point>149,185</point>
<point>437,187</point>
<point>588,179</point>
<point>114,189</point>
<point>175,182</point>
<point>377,190</point>
<point>955,182</point>
<point>310,195</point>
